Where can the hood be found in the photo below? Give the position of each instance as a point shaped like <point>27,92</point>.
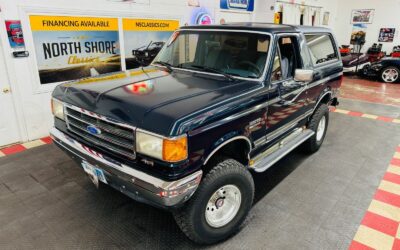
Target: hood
<point>132,96</point>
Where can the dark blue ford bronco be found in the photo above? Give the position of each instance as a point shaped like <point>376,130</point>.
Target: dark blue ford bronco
<point>217,103</point>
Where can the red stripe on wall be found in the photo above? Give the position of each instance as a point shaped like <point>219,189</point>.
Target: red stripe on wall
<point>358,246</point>
<point>380,223</point>
<point>389,198</point>
<point>392,178</point>
<point>13,149</point>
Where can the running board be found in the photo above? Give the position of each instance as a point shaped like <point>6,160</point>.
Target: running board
<point>273,154</point>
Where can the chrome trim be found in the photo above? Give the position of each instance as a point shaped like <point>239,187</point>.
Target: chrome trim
<point>97,116</point>
<point>276,133</point>
<point>62,139</point>
<point>320,99</point>
<point>280,146</point>
<point>262,77</point>
<point>241,137</point>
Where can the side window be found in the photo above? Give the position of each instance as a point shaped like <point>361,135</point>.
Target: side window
<point>321,48</point>
<point>276,74</point>
<point>290,58</point>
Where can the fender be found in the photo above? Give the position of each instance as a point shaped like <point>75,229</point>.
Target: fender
<point>228,138</point>
<point>326,92</point>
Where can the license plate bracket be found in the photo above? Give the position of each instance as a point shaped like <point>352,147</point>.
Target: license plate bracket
<point>95,174</point>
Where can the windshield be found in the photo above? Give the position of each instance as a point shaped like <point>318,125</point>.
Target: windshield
<point>232,53</point>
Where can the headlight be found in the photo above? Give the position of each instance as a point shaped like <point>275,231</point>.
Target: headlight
<point>57,108</point>
<point>166,149</point>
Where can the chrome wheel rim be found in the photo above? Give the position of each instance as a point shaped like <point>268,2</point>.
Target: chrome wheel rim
<point>223,206</point>
<point>390,75</point>
<point>321,128</point>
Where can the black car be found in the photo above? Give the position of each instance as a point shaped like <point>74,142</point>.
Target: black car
<point>144,55</point>
<point>387,70</point>
<point>217,103</point>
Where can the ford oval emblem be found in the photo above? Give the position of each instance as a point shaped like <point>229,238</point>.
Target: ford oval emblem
<point>93,130</point>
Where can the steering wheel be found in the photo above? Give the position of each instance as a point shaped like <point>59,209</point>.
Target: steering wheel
<point>252,66</point>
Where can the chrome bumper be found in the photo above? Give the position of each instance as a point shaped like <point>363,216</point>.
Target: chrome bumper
<point>136,184</point>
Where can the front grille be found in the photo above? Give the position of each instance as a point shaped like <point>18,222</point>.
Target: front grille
<point>116,137</point>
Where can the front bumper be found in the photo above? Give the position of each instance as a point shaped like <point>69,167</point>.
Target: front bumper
<point>136,184</point>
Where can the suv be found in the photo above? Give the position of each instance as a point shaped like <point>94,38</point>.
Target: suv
<point>217,103</point>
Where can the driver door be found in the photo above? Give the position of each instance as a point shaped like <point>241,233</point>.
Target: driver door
<point>289,101</point>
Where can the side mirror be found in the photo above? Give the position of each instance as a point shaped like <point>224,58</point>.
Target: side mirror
<point>304,75</point>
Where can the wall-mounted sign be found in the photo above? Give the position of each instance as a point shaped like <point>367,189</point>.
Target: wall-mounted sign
<point>246,5</point>
<point>362,16</point>
<point>358,34</point>
<point>69,48</point>
<point>386,35</point>
<point>203,19</point>
<point>144,38</point>
<point>14,33</point>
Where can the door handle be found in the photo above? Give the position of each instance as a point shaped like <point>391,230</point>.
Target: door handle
<point>6,90</point>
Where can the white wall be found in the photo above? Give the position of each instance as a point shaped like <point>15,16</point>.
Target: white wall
<point>326,6</point>
<point>31,99</point>
<point>386,16</point>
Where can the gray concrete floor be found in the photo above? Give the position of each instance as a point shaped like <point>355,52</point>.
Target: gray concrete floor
<point>303,202</point>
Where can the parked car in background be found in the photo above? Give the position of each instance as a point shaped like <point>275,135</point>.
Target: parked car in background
<point>185,133</point>
<point>387,70</point>
<point>354,62</point>
<point>144,55</point>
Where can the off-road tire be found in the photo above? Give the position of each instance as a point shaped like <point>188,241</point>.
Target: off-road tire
<point>312,145</point>
<point>191,218</point>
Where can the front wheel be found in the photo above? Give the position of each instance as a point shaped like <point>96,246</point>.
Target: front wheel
<point>390,74</point>
<point>220,204</point>
<point>319,124</point>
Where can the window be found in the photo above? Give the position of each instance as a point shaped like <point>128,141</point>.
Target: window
<point>234,53</point>
<point>321,48</point>
<point>286,59</point>
<point>276,74</point>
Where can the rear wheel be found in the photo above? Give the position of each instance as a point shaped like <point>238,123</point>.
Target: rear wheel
<point>319,124</point>
<point>390,74</point>
<point>220,204</point>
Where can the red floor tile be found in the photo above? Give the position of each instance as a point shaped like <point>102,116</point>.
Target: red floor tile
<point>380,223</point>
<point>370,91</point>
<point>392,177</point>
<point>358,246</point>
<point>47,140</point>
<point>13,149</point>
<point>385,119</point>
<point>386,197</point>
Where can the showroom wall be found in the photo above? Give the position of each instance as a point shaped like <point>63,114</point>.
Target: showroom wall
<point>31,99</point>
<point>292,14</point>
<point>386,16</point>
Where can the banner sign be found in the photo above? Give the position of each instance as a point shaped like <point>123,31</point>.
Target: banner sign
<point>144,38</point>
<point>14,33</point>
<point>247,5</point>
<point>69,48</point>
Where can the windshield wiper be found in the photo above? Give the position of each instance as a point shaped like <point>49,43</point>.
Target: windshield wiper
<point>165,64</point>
<point>227,76</point>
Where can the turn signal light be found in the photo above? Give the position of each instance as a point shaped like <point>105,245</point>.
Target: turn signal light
<point>175,150</point>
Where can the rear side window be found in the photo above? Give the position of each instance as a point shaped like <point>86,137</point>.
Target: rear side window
<point>321,47</point>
